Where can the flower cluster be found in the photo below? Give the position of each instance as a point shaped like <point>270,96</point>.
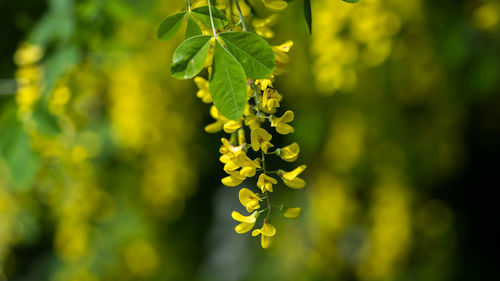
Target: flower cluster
<point>259,120</point>
<point>244,102</point>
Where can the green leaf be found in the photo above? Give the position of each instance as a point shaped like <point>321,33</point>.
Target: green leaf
<point>351,1</point>
<point>228,85</point>
<point>15,150</point>
<point>203,15</point>
<point>190,56</point>
<point>253,53</point>
<point>192,29</point>
<point>169,27</point>
<point>308,15</point>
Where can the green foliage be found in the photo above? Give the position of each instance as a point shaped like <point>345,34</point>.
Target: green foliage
<point>203,14</point>
<point>15,149</point>
<point>228,84</point>
<point>351,1</point>
<point>190,56</point>
<point>308,15</point>
<point>192,28</point>
<point>169,27</point>
<point>252,52</point>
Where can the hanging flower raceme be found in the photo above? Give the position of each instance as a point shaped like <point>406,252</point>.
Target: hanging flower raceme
<point>242,68</point>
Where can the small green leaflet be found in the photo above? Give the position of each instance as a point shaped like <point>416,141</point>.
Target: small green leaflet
<point>228,84</point>
<point>203,15</point>
<point>252,52</point>
<point>190,56</point>
<point>308,15</point>
<point>192,29</point>
<point>351,1</point>
<point>169,27</point>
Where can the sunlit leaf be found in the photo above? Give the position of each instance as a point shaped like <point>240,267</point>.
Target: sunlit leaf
<point>189,57</point>
<point>253,53</point>
<point>169,27</point>
<point>228,84</point>
<point>192,29</point>
<point>203,15</point>
<point>308,15</point>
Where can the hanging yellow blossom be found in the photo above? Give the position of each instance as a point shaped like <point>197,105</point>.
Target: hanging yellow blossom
<point>246,222</point>
<point>280,123</point>
<point>289,153</point>
<point>291,178</point>
<point>249,199</point>
<point>267,232</point>
<point>233,179</point>
<point>266,182</point>
<point>260,139</point>
<point>270,99</point>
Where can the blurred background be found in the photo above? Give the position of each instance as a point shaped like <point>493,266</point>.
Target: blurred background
<point>106,172</point>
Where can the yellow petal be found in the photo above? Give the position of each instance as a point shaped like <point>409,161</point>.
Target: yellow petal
<point>231,126</point>
<point>288,116</point>
<point>284,128</point>
<point>268,229</point>
<point>275,5</point>
<point>247,172</point>
<point>225,159</point>
<point>213,127</point>
<point>266,241</point>
<point>241,218</point>
<point>292,213</point>
<point>256,232</point>
<point>296,183</point>
<point>293,174</point>
<point>243,227</point>
<point>252,206</point>
<point>290,153</point>
<point>247,196</point>
<point>232,181</point>
<point>285,47</point>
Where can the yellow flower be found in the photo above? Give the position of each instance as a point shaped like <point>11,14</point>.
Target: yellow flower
<point>219,121</point>
<point>281,56</point>
<point>265,83</point>
<point>291,178</point>
<point>289,153</point>
<point>270,99</point>
<point>249,199</point>
<point>262,25</point>
<point>28,54</point>
<point>281,123</point>
<point>252,121</point>
<point>260,139</point>
<point>275,5</point>
<point>233,179</point>
<point>292,213</point>
<point>248,171</point>
<point>266,182</point>
<point>246,222</point>
<point>231,126</point>
<point>267,232</point>
<point>203,92</point>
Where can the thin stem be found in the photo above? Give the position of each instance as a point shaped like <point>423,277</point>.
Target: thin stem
<point>241,15</point>
<point>263,210</point>
<point>268,207</point>
<point>189,6</point>
<point>211,18</point>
